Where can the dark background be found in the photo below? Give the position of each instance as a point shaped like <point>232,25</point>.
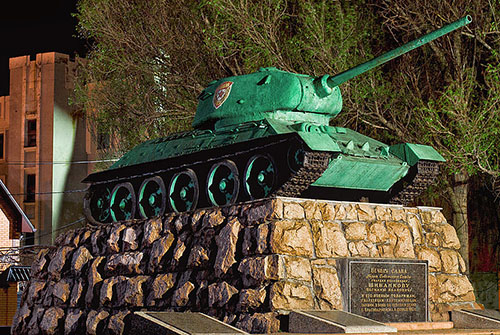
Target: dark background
<point>31,27</point>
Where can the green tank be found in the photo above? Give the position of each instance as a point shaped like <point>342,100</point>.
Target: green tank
<point>259,135</point>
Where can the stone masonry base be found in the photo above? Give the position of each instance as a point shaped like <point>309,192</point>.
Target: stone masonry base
<point>247,264</point>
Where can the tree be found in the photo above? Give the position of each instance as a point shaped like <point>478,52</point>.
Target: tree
<point>151,59</point>
<point>453,89</point>
<point>146,65</point>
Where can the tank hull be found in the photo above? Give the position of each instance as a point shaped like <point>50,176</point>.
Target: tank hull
<point>254,160</point>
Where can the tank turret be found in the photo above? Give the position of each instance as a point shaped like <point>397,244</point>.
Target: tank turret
<point>272,93</point>
<point>260,135</point>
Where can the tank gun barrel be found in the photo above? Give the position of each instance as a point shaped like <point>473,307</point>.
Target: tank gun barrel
<point>342,77</point>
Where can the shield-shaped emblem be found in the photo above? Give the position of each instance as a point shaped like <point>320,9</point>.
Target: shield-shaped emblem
<point>221,93</point>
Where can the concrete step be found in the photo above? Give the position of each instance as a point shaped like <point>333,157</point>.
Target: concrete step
<point>476,318</point>
<point>179,323</point>
<point>334,322</point>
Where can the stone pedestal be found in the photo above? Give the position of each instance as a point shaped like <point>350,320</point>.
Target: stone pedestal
<point>248,264</point>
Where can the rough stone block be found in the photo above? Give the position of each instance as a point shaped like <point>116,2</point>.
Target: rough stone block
<point>258,269</point>
<point>454,288</point>
<point>383,213</point>
<point>401,239</point>
<point>451,261</point>
<point>226,247</point>
<point>219,294</point>
<point>293,211</point>
<point>152,230</point>
<point>416,228</point>
<point>377,232</point>
<point>81,257</point>
<point>58,263</point>
<point>113,242</point>
<point>398,214</point>
<point>312,211</point>
<point>351,213</point>
<point>74,321</point>
<point>131,291</point>
<point>35,289</point>
<point>259,213</point>
<point>337,212</point>
<point>298,268</point>
<point>250,298</point>
<point>116,322</point>
<point>363,249</point>
<point>128,263</point>
<point>213,218</point>
<point>158,250</point>
<point>355,231</point>
<point>198,257</point>
<point>160,285</point>
<point>290,295</point>
<point>96,322</point>
<point>432,256</point>
<point>51,321</point>
<point>366,212</point>
<point>94,277</point>
<point>326,287</point>
<point>259,323</point>
<point>292,238</point>
<point>180,297</point>
<point>62,290</point>
<point>329,240</point>
<point>129,239</point>
<point>40,264</point>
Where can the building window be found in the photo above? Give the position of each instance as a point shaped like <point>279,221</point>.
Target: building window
<point>29,238</point>
<point>2,145</point>
<point>30,133</point>
<point>29,190</point>
<point>103,141</point>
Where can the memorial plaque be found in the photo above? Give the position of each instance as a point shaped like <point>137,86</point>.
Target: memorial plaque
<point>386,290</point>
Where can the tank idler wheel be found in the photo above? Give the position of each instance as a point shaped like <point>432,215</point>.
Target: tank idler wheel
<point>223,183</point>
<point>123,202</point>
<point>96,204</point>
<point>260,176</point>
<point>152,198</point>
<point>295,156</point>
<point>183,191</point>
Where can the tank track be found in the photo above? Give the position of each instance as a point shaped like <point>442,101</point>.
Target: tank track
<point>426,173</point>
<point>315,163</point>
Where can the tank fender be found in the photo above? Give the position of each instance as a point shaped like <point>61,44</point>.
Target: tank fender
<point>412,153</point>
<point>319,141</point>
<point>315,137</point>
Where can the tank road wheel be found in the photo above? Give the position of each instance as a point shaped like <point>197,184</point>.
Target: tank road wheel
<point>223,183</point>
<point>183,191</point>
<point>123,202</point>
<point>96,204</point>
<point>152,198</point>
<point>260,176</point>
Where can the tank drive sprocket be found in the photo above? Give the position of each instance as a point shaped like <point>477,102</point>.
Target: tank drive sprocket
<point>421,176</point>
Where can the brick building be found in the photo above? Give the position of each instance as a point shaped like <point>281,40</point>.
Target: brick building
<point>43,145</point>
<point>13,222</point>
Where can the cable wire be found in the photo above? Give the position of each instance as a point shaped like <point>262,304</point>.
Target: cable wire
<point>58,162</point>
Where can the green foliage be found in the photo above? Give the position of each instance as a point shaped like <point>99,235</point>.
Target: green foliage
<point>144,70</point>
<point>151,59</point>
<point>313,37</point>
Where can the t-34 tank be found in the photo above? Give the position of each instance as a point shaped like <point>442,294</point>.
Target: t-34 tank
<point>263,134</point>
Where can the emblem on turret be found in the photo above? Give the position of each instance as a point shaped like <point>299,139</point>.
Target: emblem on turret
<point>221,93</point>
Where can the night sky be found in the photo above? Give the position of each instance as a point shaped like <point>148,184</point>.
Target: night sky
<point>35,26</point>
